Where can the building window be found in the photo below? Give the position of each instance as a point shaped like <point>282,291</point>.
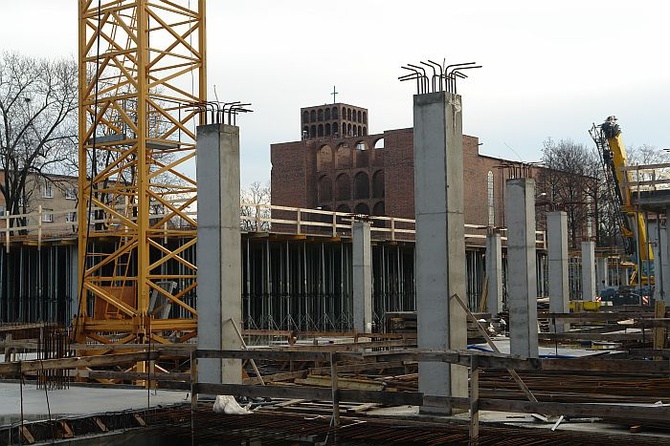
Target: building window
<point>70,193</point>
<point>2,210</point>
<point>71,217</point>
<point>491,202</point>
<point>47,190</point>
<point>47,215</point>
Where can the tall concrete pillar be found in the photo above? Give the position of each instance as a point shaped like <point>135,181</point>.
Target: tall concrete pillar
<point>362,276</point>
<point>602,273</point>
<point>440,243</point>
<point>589,289</point>
<point>664,247</point>
<point>494,272</point>
<point>557,258</point>
<point>521,266</point>
<point>219,289</point>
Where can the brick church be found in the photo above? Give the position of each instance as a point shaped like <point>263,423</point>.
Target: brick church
<point>338,165</point>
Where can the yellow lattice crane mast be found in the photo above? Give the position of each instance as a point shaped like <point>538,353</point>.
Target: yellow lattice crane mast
<point>141,63</point>
<point>632,224</point>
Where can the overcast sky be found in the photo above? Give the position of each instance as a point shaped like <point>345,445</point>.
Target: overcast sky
<point>550,69</point>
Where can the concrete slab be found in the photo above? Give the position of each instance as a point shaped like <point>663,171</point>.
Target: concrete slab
<point>77,401</point>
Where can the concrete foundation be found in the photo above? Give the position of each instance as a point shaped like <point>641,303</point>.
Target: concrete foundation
<point>362,276</point>
<point>589,288</point>
<point>218,250</point>
<point>494,272</point>
<point>440,244</point>
<point>557,262</point>
<point>521,266</point>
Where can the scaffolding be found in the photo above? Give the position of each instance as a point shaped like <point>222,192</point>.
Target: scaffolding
<point>141,69</point>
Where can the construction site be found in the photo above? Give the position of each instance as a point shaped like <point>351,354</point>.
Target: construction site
<point>163,311</point>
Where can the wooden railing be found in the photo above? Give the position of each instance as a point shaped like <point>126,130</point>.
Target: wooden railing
<point>254,217</point>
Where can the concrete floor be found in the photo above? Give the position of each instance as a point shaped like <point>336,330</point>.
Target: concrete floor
<point>77,401</point>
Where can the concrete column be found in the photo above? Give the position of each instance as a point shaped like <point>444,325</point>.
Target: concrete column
<point>362,276</point>
<point>602,274</point>
<point>665,260</point>
<point>440,243</point>
<point>219,289</point>
<point>521,266</point>
<point>494,272</point>
<point>589,290</point>
<point>557,258</point>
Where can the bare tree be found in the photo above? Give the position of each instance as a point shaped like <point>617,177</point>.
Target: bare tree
<point>38,125</point>
<point>572,180</point>
<point>255,201</point>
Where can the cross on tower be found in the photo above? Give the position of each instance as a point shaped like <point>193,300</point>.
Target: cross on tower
<point>334,93</point>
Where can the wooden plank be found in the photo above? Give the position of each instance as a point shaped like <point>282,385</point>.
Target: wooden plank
<point>659,332</point>
<point>631,412</point>
<point>67,430</point>
<point>140,420</point>
<point>311,393</point>
<point>13,368</point>
<point>344,383</point>
<point>290,402</point>
<point>596,317</point>
<point>362,407</point>
<point>276,377</point>
<point>104,374</point>
<point>275,355</point>
<point>25,433</point>
<point>610,337</point>
<point>100,424</point>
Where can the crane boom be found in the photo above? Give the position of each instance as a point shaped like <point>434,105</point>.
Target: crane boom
<point>607,137</point>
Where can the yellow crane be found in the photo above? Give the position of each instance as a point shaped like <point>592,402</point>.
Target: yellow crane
<point>141,63</point>
<point>632,224</point>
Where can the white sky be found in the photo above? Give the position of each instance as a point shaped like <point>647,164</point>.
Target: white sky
<point>551,69</point>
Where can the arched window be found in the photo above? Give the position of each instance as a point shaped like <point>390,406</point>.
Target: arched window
<point>365,118</point>
<point>358,116</point>
<point>378,184</point>
<point>305,116</point>
<point>379,208</point>
<point>361,186</point>
<point>312,131</point>
<point>320,130</point>
<point>313,116</point>
<point>327,118</point>
<point>320,115</point>
<point>362,208</point>
<point>344,208</point>
<point>344,130</point>
<point>324,158</point>
<point>325,189</point>
<point>328,129</point>
<point>490,197</point>
<point>343,157</point>
<point>348,114</point>
<point>344,113</point>
<point>342,188</point>
<point>334,112</point>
